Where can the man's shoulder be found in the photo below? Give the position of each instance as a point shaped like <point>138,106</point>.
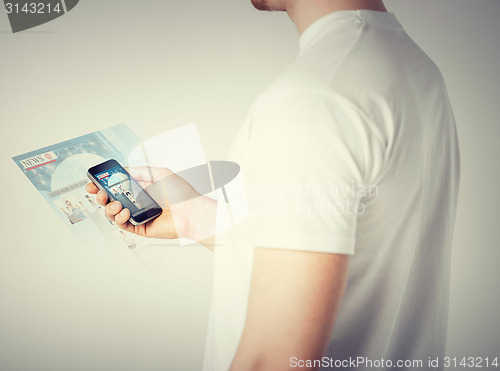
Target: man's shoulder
<point>362,63</point>
<point>302,77</point>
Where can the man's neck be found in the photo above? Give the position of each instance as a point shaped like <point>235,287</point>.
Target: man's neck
<point>305,12</point>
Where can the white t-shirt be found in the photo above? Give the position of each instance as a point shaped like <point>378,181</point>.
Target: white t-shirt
<point>353,150</point>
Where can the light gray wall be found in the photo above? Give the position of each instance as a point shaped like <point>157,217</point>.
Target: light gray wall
<point>156,65</point>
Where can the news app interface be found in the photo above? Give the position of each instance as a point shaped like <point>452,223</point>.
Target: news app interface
<point>119,183</point>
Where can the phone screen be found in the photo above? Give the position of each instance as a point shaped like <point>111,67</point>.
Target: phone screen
<point>125,189</point>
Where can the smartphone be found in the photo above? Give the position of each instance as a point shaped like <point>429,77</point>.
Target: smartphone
<point>113,179</point>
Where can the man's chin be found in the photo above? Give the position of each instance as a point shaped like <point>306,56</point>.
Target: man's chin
<point>265,5</point>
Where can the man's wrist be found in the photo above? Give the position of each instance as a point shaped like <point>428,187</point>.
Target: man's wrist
<point>201,221</point>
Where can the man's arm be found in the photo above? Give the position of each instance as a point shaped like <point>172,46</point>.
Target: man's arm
<point>186,213</point>
<point>293,302</point>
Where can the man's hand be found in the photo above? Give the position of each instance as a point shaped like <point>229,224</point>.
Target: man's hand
<point>186,213</point>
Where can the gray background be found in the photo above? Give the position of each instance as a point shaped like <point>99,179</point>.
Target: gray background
<point>157,65</point>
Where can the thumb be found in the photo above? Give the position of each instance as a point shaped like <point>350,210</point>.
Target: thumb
<point>148,174</point>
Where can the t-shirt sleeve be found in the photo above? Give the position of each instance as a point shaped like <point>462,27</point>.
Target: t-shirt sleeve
<point>311,158</point>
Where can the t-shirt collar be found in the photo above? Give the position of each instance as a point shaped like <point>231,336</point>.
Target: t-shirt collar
<point>383,19</point>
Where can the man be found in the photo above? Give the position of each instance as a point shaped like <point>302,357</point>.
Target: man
<point>351,163</point>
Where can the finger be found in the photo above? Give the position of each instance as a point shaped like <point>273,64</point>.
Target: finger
<point>91,188</point>
<point>102,198</point>
<point>140,175</point>
<point>122,217</point>
<point>112,209</point>
<point>148,174</point>
<point>129,227</point>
